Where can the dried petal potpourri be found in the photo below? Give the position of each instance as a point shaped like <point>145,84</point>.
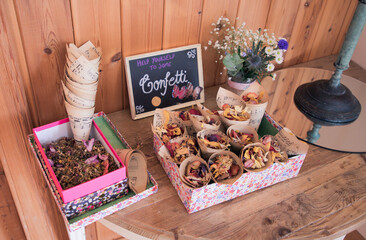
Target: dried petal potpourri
<point>184,116</point>
<point>223,167</point>
<point>210,120</point>
<point>77,162</point>
<point>215,141</point>
<point>196,174</point>
<point>241,138</point>
<point>276,154</point>
<point>169,131</point>
<point>194,111</point>
<point>180,151</point>
<point>253,98</point>
<point>254,157</point>
<point>236,113</point>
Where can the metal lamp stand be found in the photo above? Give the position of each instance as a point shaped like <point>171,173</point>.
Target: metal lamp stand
<point>328,102</point>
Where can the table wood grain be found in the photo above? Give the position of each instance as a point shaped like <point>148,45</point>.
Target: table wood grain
<point>326,200</point>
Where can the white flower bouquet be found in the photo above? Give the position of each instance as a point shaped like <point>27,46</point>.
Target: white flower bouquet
<point>247,55</point>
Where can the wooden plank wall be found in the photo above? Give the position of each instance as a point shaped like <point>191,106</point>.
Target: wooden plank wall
<point>36,209</point>
<point>40,29</point>
<point>314,28</point>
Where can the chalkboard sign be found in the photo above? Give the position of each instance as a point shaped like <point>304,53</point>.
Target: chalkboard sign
<point>169,79</point>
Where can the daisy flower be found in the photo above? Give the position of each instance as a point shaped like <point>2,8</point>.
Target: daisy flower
<point>270,67</point>
<point>279,59</point>
<point>269,50</point>
<point>278,53</point>
<point>271,41</point>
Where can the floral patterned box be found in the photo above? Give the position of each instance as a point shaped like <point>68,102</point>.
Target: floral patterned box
<point>105,208</point>
<point>197,199</point>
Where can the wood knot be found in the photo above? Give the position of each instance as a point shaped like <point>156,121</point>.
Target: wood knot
<point>47,50</point>
<point>283,231</point>
<point>325,232</point>
<point>199,12</point>
<point>116,57</point>
<point>267,221</point>
<point>307,4</point>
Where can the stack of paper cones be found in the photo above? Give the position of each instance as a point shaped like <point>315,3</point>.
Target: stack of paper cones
<point>80,87</point>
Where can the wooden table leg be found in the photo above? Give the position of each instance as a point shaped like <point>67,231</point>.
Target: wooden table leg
<point>121,231</point>
<point>77,234</point>
<point>340,238</point>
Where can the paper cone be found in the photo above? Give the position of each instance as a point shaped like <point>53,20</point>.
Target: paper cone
<point>71,58</point>
<point>83,68</point>
<point>256,110</point>
<point>187,123</point>
<point>135,162</point>
<point>289,142</point>
<point>85,94</point>
<point>77,78</point>
<point>276,148</point>
<point>237,161</point>
<point>124,154</point>
<point>76,100</point>
<point>208,151</point>
<point>83,86</point>
<point>267,164</point>
<point>224,96</point>
<point>204,111</point>
<point>87,50</point>
<point>80,121</point>
<point>243,129</point>
<point>198,122</point>
<point>179,140</point>
<point>163,117</point>
<point>183,168</point>
<point>228,122</point>
<point>284,157</point>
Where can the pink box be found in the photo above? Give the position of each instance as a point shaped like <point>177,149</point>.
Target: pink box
<point>197,199</point>
<point>56,130</point>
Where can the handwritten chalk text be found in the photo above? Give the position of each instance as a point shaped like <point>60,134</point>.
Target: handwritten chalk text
<point>162,58</point>
<point>147,85</point>
<point>142,62</point>
<point>161,66</point>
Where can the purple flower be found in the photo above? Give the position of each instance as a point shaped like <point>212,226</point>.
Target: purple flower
<point>282,44</point>
<point>89,145</point>
<point>52,149</point>
<point>103,157</point>
<point>92,160</point>
<point>51,162</point>
<point>243,54</point>
<point>213,138</point>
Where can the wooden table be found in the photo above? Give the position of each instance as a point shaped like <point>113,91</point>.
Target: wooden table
<point>327,199</point>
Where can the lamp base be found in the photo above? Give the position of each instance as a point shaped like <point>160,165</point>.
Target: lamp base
<point>327,105</point>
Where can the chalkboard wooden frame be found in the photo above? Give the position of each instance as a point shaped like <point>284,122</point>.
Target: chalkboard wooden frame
<point>190,101</point>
